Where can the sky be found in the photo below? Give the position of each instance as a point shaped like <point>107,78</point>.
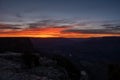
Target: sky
<point>59,18</point>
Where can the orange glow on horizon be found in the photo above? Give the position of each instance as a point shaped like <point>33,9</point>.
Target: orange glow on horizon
<point>49,32</point>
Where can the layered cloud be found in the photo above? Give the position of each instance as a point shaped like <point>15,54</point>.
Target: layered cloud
<point>59,28</point>
<point>111,30</point>
<point>6,26</point>
<point>112,26</point>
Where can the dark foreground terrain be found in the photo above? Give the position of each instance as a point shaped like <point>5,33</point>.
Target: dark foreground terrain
<point>60,59</point>
<point>12,67</point>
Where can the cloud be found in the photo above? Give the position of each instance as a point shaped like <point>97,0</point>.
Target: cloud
<point>112,26</point>
<point>60,28</point>
<point>92,31</point>
<point>50,22</point>
<point>7,26</point>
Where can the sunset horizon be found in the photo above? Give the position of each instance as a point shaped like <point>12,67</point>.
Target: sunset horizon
<point>52,32</point>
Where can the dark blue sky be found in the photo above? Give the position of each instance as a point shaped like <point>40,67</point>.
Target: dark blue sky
<point>83,9</point>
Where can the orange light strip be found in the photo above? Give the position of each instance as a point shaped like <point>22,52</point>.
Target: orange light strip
<point>49,32</point>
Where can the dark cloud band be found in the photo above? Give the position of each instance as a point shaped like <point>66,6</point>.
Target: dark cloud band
<point>92,31</point>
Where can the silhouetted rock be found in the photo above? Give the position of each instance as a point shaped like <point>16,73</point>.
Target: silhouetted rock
<point>114,72</point>
<point>72,70</point>
<point>23,46</point>
<point>16,45</point>
<point>30,60</point>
